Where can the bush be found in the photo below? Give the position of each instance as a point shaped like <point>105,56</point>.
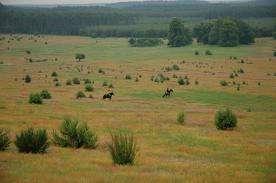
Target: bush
<point>27,79</point>
<point>57,84</point>
<point>128,76</point>
<point>79,56</point>
<point>54,74</point>
<point>89,88</point>
<point>225,119</point>
<point>183,81</point>
<point>76,81</point>
<point>101,71</point>
<point>145,42</point>
<point>105,83</point>
<point>111,85</point>
<point>122,148</point>
<point>45,94</point>
<point>80,94</point>
<point>35,98</point>
<point>4,139</point>
<point>74,134</point>
<point>175,67</point>
<point>223,83</point>
<point>196,53</point>
<point>274,53</point>
<point>34,141</point>
<point>208,52</point>
<point>69,82</point>
<point>87,81</point>
<point>181,117</point>
<point>159,78</point>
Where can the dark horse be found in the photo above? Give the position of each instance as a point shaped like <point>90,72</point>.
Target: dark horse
<point>108,95</point>
<point>168,92</point>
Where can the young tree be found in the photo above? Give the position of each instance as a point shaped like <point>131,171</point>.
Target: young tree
<point>79,56</point>
<point>178,35</point>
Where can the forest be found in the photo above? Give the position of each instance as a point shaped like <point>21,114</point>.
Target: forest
<point>132,19</point>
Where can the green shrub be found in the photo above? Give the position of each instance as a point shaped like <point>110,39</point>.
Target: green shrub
<point>183,81</point>
<point>35,98</point>
<point>160,78</point>
<point>54,74</point>
<point>111,85</point>
<point>274,53</point>
<point>105,83</point>
<point>196,82</point>
<point>175,67</point>
<point>27,79</point>
<point>80,94</point>
<point>181,117</point>
<point>4,139</point>
<point>57,84</point>
<point>74,134</point>
<point>274,35</point>
<point>145,42</point>
<point>34,141</point>
<point>45,94</point>
<point>208,52</point>
<point>196,53</point>
<point>101,71</point>
<point>55,79</point>
<point>223,83</point>
<point>89,88</point>
<point>225,119</point>
<point>128,76</point>
<point>76,81</point>
<point>69,82</point>
<point>122,148</point>
<point>87,81</point>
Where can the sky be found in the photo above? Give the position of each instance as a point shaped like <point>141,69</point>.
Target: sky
<point>70,1</point>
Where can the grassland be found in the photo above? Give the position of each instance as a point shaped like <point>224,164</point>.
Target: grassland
<point>168,152</point>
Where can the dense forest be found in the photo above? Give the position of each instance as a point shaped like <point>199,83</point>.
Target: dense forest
<point>132,19</point>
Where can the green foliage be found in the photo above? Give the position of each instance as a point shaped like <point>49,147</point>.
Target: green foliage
<point>178,34</point>
<point>175,67</point>
<point>223,83</point>
<point>45,94</point>
<point>101,71</point>
<point>89,88</point>
<point>274,53</point>
<point>27,79</point>
<point>225,119</point>
<point>35,98</point>
<point>74,134</point>
<point>196,52</point>
<point>69,82</point>
<point>79,56</point>
<point>54,74</point>
<point>87,81</point>
<point>145,42</point>
<point>274,35</point>
<point>208,52</point>
<point>32,141</point>
<point>76,81</point>
<point>80,94</point>
<point>123,148</point>
<point>105,83</point>
<point>4,139</point>
<point>181,117</point>
<point>160,78</point>
<point>183,81</point>
<point>128,76</point>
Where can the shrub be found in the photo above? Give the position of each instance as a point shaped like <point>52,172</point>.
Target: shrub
<point>196,82</point>
<point>122,148</point>
<point>69,82</point>
<point>54,74</point>
<point>223,83</point>
<point>34,141</point>
<point>87,81</point>
<point>225,119</point>
<point>196,53</point>
<point>76,81</point>
<point>27,79</point>
<point>89,88</point>
<point>274,53</point>
<point>57,84</point>
<point>4,139</point>
<point>74,134</point>
<point>55,79</point>
<point>35,98</point>
<point>45,94</point>
<point>145,42</point>
<point>101,71</point>
<point>111,85</point>
<point>80,94</point>
<point>79,56</point>
<point>181,117</point>
<point>175,67</point>
<point>160,78</point>
<point>105,83</point>
<point>128,76</point>
<point>208,52</point>
<point>183,81</point>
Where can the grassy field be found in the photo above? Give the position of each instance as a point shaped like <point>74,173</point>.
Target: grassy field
<point>168,151</point>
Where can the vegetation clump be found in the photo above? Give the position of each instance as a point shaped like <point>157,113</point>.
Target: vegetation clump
<point>45,94</point>
<point>76,81</point>
<point>74,134</point>
<point>123,148</point>
<point>35,98</point>
<point>69,82</point>
<point>79,56</point>
<point>223,83</point>
<point>4,139</point>
<point>181,117</point>
<point>89,88</point>
<point>54,74</point>
<point>183,81</point>
<point>145,42</point>
<point>27,79</point>
<point>208,52</point>
<point>32,141</point>
<point>225,119</point>
<point>128,77</point>
<point>178,35</point>
<point>80,94</point>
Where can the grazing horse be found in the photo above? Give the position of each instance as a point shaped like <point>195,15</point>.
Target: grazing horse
<point>168,93</point>
<point>108,95</point>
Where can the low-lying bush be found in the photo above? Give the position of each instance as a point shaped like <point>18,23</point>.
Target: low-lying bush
<point>89,88</point>
<point>32,141</point>
<point>225,119</point>
<point>35,98</point>
<point>69,82</point>
<point>128,76</point>
<point>54,74</point>
<point>145,42</point>
<point>76,81</point>
<point>122,148</point>
<point>45,94</point>
<point>74,134</point>
<point>80,94</point>
<point>181,117</point>
<point>4,139</point>
<point>223,83</point>
<point>208,52</point>
<point>27,79</point>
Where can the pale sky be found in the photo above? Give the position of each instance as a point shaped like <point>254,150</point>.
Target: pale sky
<point>71,1</point>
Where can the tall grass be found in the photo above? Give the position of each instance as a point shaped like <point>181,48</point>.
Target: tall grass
<point>4,139</point>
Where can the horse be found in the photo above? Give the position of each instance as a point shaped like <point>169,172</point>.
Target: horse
<point>168,93</point>
<point>108,95</point>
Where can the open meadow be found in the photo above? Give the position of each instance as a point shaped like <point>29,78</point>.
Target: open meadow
<point>168,151</point>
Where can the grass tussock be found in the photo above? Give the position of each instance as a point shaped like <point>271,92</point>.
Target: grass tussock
<point>4,139</point>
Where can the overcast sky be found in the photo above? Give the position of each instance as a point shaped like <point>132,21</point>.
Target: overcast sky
<point>69,1</point>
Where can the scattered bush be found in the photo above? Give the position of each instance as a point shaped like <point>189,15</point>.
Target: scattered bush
<point>27,79</point>
<point>225,119</point>
<point>34,141</point>
<point>105,83</point>
<point>196,82</point>
<point>223,83</point>
<point>175,67</point>
<point>45,94</point>
<point>4,139</point>
<point>55,79</point>
<point>87,81</point>
<point>183,81</point>
<point>80,94</point>
<point>76,81</point>
<point>181,117</point>
<point>128,76</point>
<point>196,53</point>
<point>57,84</point>
<point>274,53</point>
<point>111,85</point>
<point>54,74</point>
<point>101,71</point>
<point>69,82</point>
<point>145,42</point>
<point>74,134</point>
<point>79,56</point>
<point>159,78</point>
<point>122,148</point>
<point>89,88</point>
<point>208,52</point>
<point>35,98</point>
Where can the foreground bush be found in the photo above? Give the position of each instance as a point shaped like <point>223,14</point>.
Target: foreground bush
<point>45,94</point>
<point>122,148</point>
<point>80,94</point>
<point>181,117</point>
<point>74,134</point>
<point>35,98</point>
<point>32,141</point>
<point>27,79</point>
<point>4,139</point>
<point>89,88</point>
<point>225,119</point>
